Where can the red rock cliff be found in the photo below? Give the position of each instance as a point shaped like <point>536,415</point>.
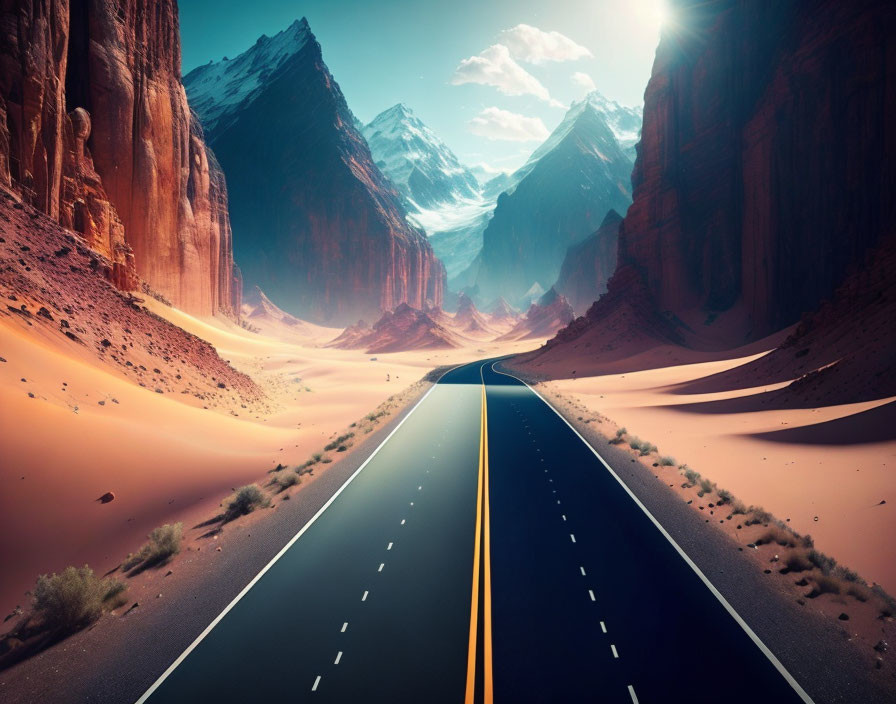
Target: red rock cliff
<point>97,133</point>
<point>767,164</point>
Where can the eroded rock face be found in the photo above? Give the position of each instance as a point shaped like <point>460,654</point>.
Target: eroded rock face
<point>768,160</point>
<point>318,226</point>
<point>99,136</point>
<point>590,264</point>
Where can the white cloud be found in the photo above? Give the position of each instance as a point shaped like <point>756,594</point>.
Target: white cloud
<point>495,67</point>
<point>530,44</point>
<point>497,124</point>
<point>584,80</point>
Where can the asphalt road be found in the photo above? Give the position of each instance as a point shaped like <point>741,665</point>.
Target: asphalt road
<point>483,553</point>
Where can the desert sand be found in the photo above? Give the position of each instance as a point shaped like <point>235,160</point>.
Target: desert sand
<point>76,428</point>
<point>827,470</point>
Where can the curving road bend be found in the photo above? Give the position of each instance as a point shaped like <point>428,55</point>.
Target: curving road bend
<point>483,553</point>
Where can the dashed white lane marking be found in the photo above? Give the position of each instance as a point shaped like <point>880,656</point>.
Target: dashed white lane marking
<point>563,516</point>
<point>344,627</point>
<point>419,488</point>
<point>631,690</point>
<point>364,598</point>
<point>382,564</point>
<point>402,521</point>
<point>613,648</point>
<point>389,546</point>
<point>338,658</point>
<point>603,626</point>
<point>582,569</point>
<point>572,537</point>
<point>412,503</point>
<point>316,682</point>
<point>558,502</point>
<point>591,594</point>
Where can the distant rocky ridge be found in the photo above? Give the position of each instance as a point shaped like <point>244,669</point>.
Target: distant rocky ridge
<point>95,131</point>
<point>544,318</point>
<point>318,226</point>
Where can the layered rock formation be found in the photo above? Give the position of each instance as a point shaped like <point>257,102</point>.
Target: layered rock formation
<point>543,319</point>
<point>405,328</point>
<point>98,135</point>
<point>768,157</point>
<point>590,264</point>
<point>319,227</point>
<point>561,195</point>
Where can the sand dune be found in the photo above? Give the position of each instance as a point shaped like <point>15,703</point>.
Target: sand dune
<point>786,460</point>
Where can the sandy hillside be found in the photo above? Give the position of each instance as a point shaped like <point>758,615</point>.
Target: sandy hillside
<point>88,430</point>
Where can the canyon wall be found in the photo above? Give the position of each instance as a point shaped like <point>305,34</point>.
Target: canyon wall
<point>767,164</point>
<point>97,133</point>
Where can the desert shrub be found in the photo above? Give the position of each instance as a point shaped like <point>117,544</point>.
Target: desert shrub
<point>691,477</point>
<point>738,508</point>
<point>635,443</point>
<point>337,442</point>
<point>757,516</point>
<point>647,448</point>
<point>618,440</point>
<point>706,487</point>
<point>847,574</point>
<point>245,501</point>
<point>284,479</point>
<point>807,541</point>
<point>725,496</point>
<point>822,561</point>
<point>163,544</point>
<point>825,585</point>
<point>859,592</point>
<point>73,599</point>
<point>797,562</point>
<point>317,456</point>
<point>667,461</point>
<point>776,534</point>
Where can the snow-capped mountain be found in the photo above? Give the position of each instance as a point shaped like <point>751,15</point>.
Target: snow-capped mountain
<point>556,199</point>
<point>441,195</point>
<point>316,223</point>
<point>422,167</point>
<point>218,90</point>
<point>623,122</point>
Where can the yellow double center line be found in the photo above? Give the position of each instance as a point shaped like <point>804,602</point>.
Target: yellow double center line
<point>482,549</point>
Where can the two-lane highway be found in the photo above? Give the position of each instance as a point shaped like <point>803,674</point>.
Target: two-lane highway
<point>483,553</point>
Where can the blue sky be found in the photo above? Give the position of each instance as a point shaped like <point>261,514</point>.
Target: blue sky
<point>466,67</point>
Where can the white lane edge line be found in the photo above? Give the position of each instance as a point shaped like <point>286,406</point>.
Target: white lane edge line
<point>344,627</point>
<point>631,690</point>
<point>338,658</point>
<point>801,693</point>
<point>613,648</point>
<point>155,685</point>
<point>603,626</point>
<point>316,682</point>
